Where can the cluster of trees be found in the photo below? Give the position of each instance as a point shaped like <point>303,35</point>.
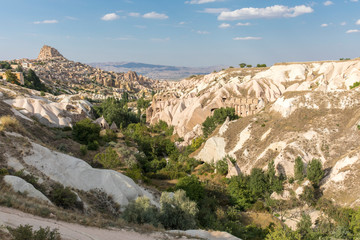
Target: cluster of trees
<point>5,65</point>
<point>219,117</point>
<point>314,171</point>
<point>243,65</point>
<point>31,80</point>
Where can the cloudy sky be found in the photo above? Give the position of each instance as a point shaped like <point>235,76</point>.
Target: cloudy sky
<point>182,32</point>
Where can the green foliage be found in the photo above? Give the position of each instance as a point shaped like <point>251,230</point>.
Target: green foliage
<point>5,65</point>
<point>110,136</point>
<point>219,117</point>
<point>222,166</point>
<point>83,150</point>
<point>109,158</point>
<point>315,172</point>
<point>115,110</point>
<point>195,144</point>
<point>192,186</point>
<point>141,211</point>
<point>242,65</point>
<point>282,233</point>
<point>3,172</point>
<point>261,65</point>
<point>356,84</point>
<point>355,223</point>
<point>304,226</point>
<point>142,103</point>
<point>258,183</point>
<point>86,132</point>
<point>64,197</point>
<point>162,127</point>
<point>11,77</point>
<point>31,80</point>
<point>308,195</point>
<point>299,169</point>
<point>240,193</point>
<point>94,145</point>
<point>26,232</point>
<point>249,66</point>
<point>177,211</point>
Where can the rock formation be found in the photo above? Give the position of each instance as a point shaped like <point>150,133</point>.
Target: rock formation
<point>48,53</point>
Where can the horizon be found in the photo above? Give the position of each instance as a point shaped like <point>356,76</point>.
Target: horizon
<point>194,33</point>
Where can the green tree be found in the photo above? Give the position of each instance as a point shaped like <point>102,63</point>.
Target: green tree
<point>85,131</point>
<point>11,77</point>
<point>192,186</point>
<point>282,233</point>
<point>222,166</point>
<point>258,183</point>
<point>177,211</point>
<point>240,194</point>
<point>33,81</point>
<point>242,65</point>
<point>109,158</point>
<point>315,172</point>
<point>218,117</point>
<point>141,211</point>
<point>304,226</point>
<point>299,169</point>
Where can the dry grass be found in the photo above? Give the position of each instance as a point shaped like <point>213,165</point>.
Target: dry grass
<point>10,123</point>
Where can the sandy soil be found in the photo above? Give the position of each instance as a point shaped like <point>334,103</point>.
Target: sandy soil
<point>69,231</point>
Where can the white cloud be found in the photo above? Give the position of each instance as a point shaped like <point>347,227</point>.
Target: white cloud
<point>343,23</point>
<point>354,0</point>
<point>71,18</point>
<point>202,1</point>
<point>353,31</point>
<point>246,38</point>
<point>328,3</point>
<point>155,15</point>
<point>182,23</point>
<point>110,17</point>
<point>324,25</point>
<point>243,24</point>
<point>358,22</point>
<point>134,14</point>
<point>276,11</point>
<point>202,32</point>
<point>46,22</point>
<point>224,25</point>
<point>215,10</point>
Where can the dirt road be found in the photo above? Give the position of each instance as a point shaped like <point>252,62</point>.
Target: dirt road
<point>70,231</point>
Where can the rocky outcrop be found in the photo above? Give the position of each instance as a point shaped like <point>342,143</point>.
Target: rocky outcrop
<point>49,53</point>
<point>187,103</point>
<point>20,185</point>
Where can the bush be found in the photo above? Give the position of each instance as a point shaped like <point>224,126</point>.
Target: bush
<point>64,197</point>
<point>109,158</point>
<point>103,202</point>
<point>83,150</point>
<point>192,186</point>
<point>299,169</point>
<point>141,211</point>
<point>93,145</point>
<point>26,233</point>
<point>9,123</point>
<point>86,132</point>
<point>177,211</point>
<point>222,167</point>
<point>3,172</point>
<point>240,194</point>
<point>315,172</point>
<point>219,117</point>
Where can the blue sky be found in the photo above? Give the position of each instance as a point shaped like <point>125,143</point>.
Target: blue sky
<point>182,32</point>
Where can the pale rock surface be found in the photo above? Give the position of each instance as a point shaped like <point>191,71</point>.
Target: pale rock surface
<point>209,235</point>
<point>213,150</point>
<point>20,185</point>
<point>76,173</point>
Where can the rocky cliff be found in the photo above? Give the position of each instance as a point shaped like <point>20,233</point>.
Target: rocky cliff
<point>187,103</point>
<point>48,53</point>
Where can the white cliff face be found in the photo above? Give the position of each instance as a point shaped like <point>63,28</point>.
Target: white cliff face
<point>76,173</point>
<point>187,103</point>
<point>20,185</point>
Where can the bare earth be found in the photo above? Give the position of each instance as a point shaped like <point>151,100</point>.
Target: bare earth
<point>13,218</point>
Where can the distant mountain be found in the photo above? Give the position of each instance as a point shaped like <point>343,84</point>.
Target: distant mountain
<point>161,72</point>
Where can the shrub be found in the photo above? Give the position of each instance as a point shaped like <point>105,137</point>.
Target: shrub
<point>299,169</point>
<point>315,172</point>
<point>240,194</point>
<point>83,150</point>
<point>26,233</point>
<point>93,145</point>
<point>222,167</point>
<point>86,132</point>
<point>192,186</point>
<point>103,203</point>
<point>177,211</point>
<point>64,197</point>
<point>9,123</point>
<point>109,136</point>
<point>308,195</point>
<point>141,211</point>
<point>109,158</point>
<point>3,172</point>
<point>219,117</point>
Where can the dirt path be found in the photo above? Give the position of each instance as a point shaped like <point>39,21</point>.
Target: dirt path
<point>70,231</point>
